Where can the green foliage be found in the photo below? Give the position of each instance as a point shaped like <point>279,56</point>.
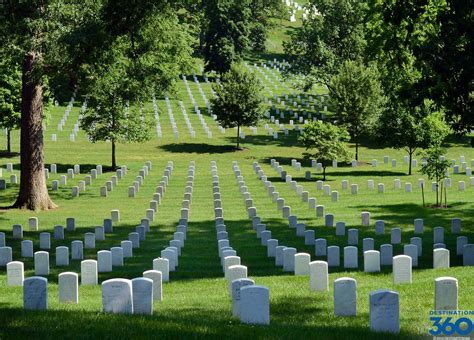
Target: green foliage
<point>239,100</point>
<point>262,11</point>
<point>413,128</point>
<point>324,142</point>
<point>425,49</point>
<point>325,41</point>
<point>10,95</point>
<point>358,97</point>
<point>107,117</point>
<point>226,33</point>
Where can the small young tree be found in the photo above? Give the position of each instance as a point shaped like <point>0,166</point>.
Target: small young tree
<point>239,100</point>
<point>10,98</point>
<point>435,168</point>
<point>358,97</point>
<point>325,142</point>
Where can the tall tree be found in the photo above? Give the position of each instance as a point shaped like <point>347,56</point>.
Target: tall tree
<point>139,62</point>
<point>239,100</point>
<point>327,40</point>
<point>226,35</point>
<point>358,97</point>
<point>10,97</point>
<point>325,142</point>
<point>30,33</point>
<point>424,49</point>
<point>54,36</point>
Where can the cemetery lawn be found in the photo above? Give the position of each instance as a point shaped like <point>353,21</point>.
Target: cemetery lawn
<point>196,302</point>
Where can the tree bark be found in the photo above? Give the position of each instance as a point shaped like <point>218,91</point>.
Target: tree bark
<point>324,173</point>
<point>114,160</point>
<point>357,151</point>
<point>9,145</point>
<point>33,193</point>
<point>409,161</point>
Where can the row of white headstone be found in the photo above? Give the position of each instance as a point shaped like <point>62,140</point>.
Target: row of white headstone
<point>250,303</point>
<point>114,181</point>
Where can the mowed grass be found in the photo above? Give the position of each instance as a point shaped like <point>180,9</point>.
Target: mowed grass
<point>196,302</point>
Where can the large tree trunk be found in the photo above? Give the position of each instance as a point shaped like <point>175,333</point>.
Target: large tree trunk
<point>33,193</point>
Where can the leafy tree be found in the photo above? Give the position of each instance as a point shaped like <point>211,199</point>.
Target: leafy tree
<point>411,129</point>
<point>435,168</point>
<point>358,97</point>
<point>324,142</point>
<point>325,41</point>
<point>239,100</point>
<point>54,36</point>
<point>424,49</point>
<point>10,98</point>
<point>262,12</point>
<point>31,35</point>
<point>226,35</point>
<point>139,62</point>
<point>108,117</point>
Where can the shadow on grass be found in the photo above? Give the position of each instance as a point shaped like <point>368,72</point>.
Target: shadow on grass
<point>200,148</point>
<point>6,154</point>
<point>185,323</point>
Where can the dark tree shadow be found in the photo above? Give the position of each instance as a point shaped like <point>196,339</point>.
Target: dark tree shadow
<point>199,148</point>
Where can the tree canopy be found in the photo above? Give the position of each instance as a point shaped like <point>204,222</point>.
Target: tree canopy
<point>239,100</point>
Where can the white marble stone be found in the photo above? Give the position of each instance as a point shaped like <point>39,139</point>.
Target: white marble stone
<point>302,263</point>
<point>35,293</point>
<point>384,311</point>
<point>371,261</point>
<point>446,293</point>
<point>62,256</point>
<point>41,263</point>
<point>319,278</point>
<point>89,274</point>
<point>236,285</point>
<point>402,269</point>
<point>440,258</point>
<point>162,265</point>
<point>255,305</point>
<point>334,257</point>
<point>157,278</point>
<point>68,283</point>
<point>345,297</point>
<point>351,258</point>
<point>15,273</point>
<point>142,289</point>
<point>117,296</point>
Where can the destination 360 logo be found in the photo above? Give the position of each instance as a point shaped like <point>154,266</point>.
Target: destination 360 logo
<point>452,323</point>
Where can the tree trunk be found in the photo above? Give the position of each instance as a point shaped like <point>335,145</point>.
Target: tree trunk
<point>114,160</point>
<point>33,193</point>
<point>437,194</point>
<point>9,145</point>
<point>238,137</point>
<point>409,162</point>
<point>324,173</point>
<point>357,151</point>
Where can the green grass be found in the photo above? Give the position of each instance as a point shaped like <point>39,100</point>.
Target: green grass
<point>196,303</point>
